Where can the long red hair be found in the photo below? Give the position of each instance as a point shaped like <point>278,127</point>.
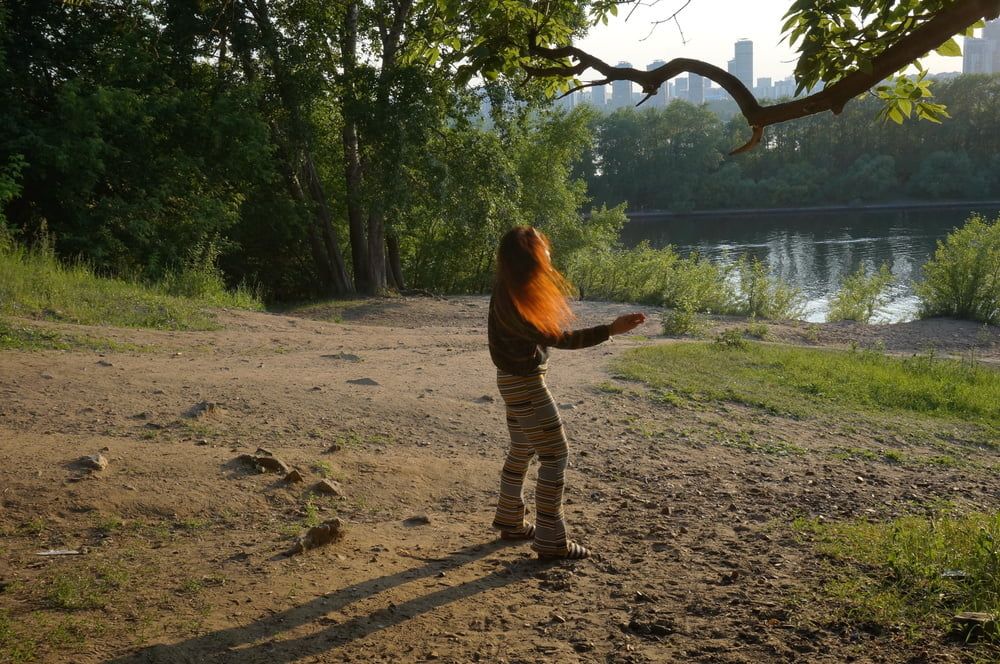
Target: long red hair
<point>525,273</point>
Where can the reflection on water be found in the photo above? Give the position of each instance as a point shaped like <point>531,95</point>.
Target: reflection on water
<point>815,251</point>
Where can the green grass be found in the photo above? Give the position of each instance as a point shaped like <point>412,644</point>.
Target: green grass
<point>29,337</point>
<point>323,468</point>
<point>805,381</point>
<point>36,285</point>
<point>912,573</point>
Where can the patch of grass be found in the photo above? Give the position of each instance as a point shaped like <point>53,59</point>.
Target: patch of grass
<point>748,442</point>
<point>37,285</point>
<point>883,456</point>
<point>75,590</point>
<point>323,468</point>
<point>609,388</point>
<point>108,524</point>
<point>14,646</point>
<point>331,311</point>
<point>192,524</point>
<point>15,336</point>
<point>804,380</point>
<point>756,330</point>
<point>312,517</point>
<point>36,526</point>
<point>912,573</point>
<point>191,587</point>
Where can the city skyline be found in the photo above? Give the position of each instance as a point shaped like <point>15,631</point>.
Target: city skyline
<point>708,38</point>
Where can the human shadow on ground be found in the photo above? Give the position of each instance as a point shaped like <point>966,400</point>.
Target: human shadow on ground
<point>256,642</point>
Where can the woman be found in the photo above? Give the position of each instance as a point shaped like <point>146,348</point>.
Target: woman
<point>528,314</point>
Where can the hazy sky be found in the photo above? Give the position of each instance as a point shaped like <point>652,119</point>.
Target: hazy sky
<point>710,29</point>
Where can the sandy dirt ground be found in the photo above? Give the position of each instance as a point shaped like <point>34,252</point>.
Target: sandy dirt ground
<point>394,401</point>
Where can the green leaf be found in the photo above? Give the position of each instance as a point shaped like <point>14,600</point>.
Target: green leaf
<point>895,115</point>
<point>950,48</point>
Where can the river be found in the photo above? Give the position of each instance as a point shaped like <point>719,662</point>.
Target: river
<point>814,250</point>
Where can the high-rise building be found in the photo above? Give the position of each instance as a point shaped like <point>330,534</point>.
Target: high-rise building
<point>696,89</point>
<point>741,66</point>
<point>598,96</point>
<point>764,89</point>
<point>662,96</point>
<point>981,55</point>
<point>621,91</point>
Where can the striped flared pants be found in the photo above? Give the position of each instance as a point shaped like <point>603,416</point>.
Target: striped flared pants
<point>535,428</point>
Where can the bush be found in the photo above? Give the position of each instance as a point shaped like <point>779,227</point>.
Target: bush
<point>682,320</point>
<point>962,280</point>
<point>860,295</point>
<point>651,276</point>
<point>762,295</point>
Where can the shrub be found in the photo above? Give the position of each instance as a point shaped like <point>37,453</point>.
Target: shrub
<point>962,280</point>
<point>651,276</point>
<point>762,295</point>
<point>682,320</point>
<point>860,295</point>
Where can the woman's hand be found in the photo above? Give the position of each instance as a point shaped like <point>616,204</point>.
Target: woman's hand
<point>627,322</point>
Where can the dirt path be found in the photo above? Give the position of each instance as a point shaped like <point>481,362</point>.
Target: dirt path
<point>697,562</point>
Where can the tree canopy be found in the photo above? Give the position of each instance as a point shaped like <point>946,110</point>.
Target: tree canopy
<point>318,148</point>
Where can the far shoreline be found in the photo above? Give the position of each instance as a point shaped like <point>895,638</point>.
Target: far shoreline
<point>652,215</point>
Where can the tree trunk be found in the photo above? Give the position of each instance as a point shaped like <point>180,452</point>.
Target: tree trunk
<point>376,249</point>
<point>324,222</point>
<point>353,172</point>
<point>395,265</point>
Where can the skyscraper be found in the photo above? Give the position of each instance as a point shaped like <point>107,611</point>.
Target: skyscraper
<point>621,91</point>
<point>981,55</point>
<point>598,96</point>
<point>741,66</point>
<point>696,89</point>
<point>662,96</point>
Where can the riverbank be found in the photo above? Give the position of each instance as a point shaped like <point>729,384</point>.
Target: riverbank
<point>642,215</point>
<point>690,504</point>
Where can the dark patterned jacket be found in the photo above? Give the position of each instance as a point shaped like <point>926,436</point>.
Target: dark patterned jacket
<point>518,347</point>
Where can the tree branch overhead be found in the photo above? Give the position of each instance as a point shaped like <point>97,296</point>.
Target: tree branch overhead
<point>946,23</point>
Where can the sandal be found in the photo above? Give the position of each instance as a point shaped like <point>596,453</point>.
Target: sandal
<point>573,552</point>
<point>526,533</point>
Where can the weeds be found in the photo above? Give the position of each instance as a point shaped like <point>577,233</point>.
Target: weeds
<point>861,295</point>
<point>36,284</point>
<point>912,571</point>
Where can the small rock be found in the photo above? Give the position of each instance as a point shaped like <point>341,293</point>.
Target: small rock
<point>567,406</point>
<point>204,409</point>
<point>201,441</point>
<point>104,363</point>
<point>859,479</point>
<point>486,398</point>
<point>329,487</point>
<point>336,447</point>
<point>418,520</point>
<point>293,476</point>
<point>362,381</point>
<point>324,533</point>
<point>265,463</point>
<point>347,357</point>
<point>972,625</point>
<point>47,376</point>
<point>95,462</point>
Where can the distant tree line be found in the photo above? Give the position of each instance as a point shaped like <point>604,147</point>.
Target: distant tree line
<point>675,158</point>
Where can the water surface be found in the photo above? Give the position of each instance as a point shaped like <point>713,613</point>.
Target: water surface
<point>813,251</point>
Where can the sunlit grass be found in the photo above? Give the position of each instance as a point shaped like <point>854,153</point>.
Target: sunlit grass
<point>912,573</point>
<point>37,285</point>
<point>805,381</point>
